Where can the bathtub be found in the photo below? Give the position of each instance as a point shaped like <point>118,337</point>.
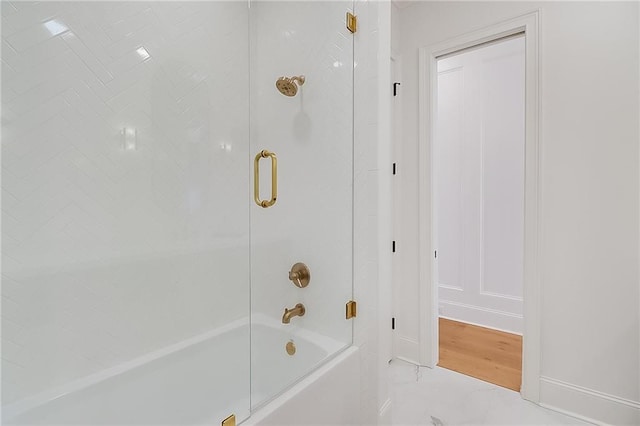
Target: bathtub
<point>176,386</point>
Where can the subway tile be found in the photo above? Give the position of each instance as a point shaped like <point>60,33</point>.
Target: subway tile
<point>7,9</point>
<point>34,75</point>
<point>87,57</point>
<point>32,15</point>
<point>36,57</point>
<point>42,93</point>
<point>146,35</point>
<point>128,24</point>
<point>35,34</point>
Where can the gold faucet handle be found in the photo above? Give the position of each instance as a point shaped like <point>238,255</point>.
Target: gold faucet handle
<point>300,275</point>
<point>295,277</point>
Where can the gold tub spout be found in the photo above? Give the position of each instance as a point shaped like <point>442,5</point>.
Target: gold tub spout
<point>297,311</point>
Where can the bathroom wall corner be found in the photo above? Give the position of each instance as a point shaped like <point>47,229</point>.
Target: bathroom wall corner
<point>371,218</point>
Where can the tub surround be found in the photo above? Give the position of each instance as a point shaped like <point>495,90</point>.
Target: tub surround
<point>147,390</point>
<point>138,190</point>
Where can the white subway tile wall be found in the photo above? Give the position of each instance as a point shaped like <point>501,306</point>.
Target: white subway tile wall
<point>125,214</point>
<point>368,165</point>
<point>110,125</point>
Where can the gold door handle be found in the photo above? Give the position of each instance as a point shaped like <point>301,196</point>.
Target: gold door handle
<point>274,178</point>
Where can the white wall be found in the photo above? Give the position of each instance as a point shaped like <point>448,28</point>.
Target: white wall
<point>479,184</point>
<point>396,46</point>
<point>589,196</point>
<point>371,262</point>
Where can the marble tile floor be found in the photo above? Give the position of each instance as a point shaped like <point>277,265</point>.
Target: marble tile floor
<point>439,397</point>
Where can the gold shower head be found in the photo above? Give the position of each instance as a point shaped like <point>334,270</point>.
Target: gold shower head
<point>287,85</point>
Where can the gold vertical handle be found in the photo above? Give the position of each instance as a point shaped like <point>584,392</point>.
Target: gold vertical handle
<point>274,178</point>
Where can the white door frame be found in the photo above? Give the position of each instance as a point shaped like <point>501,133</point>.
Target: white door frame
<point>396,218</point>
<point>427,66</point>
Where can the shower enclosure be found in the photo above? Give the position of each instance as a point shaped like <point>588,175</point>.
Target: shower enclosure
<point>143,279</point>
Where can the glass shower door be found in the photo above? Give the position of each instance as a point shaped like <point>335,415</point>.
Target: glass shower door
<point>301,67</point>
<point>125,222</point>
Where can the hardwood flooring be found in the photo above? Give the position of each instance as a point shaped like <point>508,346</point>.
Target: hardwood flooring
<point>486,354</point>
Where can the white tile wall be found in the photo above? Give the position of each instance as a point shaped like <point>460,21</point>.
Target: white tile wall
<point>124,188</point>
<point>73,195</point>
<point>370,158</point>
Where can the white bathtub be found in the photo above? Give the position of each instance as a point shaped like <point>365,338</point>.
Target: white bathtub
<point>178,385</point>
<point>328,396</point>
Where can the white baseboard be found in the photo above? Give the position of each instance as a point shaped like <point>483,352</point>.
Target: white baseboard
<point>588,404</point>
<point>491,318</point>
<point>384,415</point>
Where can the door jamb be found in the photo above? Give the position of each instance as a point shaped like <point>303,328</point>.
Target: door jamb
<point>428,299</point>
<point>396,138</point>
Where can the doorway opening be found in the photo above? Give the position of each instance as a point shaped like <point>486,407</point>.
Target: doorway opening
<point>478,160</point>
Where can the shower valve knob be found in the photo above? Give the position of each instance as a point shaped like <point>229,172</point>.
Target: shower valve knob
<point>300,275</point>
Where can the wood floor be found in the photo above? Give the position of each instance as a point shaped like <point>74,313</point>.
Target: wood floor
<point>486,354</point>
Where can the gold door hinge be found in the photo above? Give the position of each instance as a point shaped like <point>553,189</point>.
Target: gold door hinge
<point>352,22</point>
<point>351,309</point>
<point>229,421</point>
